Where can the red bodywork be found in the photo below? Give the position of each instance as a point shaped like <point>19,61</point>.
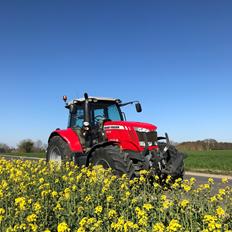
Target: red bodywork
<point>70,137</point>
<point>119,131</point>
<point>124,133</point>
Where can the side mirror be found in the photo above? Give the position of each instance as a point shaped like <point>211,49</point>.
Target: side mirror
<point>138,107</point>
<point>73,109</point>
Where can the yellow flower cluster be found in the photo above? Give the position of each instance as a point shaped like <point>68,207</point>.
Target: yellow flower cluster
<point>40,197</point>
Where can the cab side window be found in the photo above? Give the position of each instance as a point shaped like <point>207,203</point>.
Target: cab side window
<point>77,119</point>
<point>80,118</point>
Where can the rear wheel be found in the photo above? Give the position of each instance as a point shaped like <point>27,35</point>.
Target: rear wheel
<point>119,161</point>
<point>58,150</point>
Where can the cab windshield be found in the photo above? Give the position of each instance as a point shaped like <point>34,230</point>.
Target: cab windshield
<point>98,112</point>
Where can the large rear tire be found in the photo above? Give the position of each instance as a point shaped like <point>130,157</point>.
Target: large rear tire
<point>112,157</point>
<point>58,150</point>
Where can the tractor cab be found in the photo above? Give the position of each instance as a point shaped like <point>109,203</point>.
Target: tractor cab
<point>99,109</point>
<point>87,117</point>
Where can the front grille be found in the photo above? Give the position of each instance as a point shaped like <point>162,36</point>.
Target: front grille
<point>151,137</point>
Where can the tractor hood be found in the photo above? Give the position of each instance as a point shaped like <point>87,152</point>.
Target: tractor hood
<point>130,135</point>
<point>125,125</point>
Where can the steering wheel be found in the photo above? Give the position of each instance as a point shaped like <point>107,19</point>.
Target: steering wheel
<point>99,118</point>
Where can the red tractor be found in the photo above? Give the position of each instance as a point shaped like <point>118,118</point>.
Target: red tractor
<point>99,134</point>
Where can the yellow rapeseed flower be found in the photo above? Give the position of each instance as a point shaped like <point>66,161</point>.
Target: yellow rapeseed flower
<point>88,198</point>
<point>110,199</point>
<point>163,197</point>
<point>186,187</point>
<point>83,221</point>
<point>224,180</point>
<point>112,214</point>
<point>81,229</point>
<point>168,179</point>
<point>33,227</point>
<point>220,211</point>
<point>143,172</point>
<point>184,203</point>
<point>167,204</point>
<point>211,181</point>
<point>148,206</point>
<point>192,181</point>
<point>128,226</point>
<point>74,187</point>
<point>2,211</point>
<point>21,203</point>
<point>80,209</point>
<point>63,227</point>
<point>222,192</point>
<point>67,193</point>
<point>31,218</point>
<point>158,227</point>
<point>156,185</point>
<point>174,225</point>
<point>54,194</point>
<point>213,199</point>
<point>127,194</point>
<point>98,209</point>
<point>41,180</point>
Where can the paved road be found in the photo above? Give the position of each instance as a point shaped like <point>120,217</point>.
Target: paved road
<point>201,178</point>
<point>204,179</point>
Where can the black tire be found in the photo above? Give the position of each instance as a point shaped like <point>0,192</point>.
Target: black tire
<point>111,157</point>
<point>174,161</point>
<point>57,147</point>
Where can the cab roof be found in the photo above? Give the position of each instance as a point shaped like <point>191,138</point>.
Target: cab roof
<point>94,99</point>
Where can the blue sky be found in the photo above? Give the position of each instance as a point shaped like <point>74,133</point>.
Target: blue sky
<point>174,56</point>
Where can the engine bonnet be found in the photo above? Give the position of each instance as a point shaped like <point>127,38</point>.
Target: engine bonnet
<point>128,125</point>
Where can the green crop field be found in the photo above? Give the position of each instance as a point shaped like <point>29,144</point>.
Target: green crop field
<point>217,161</point>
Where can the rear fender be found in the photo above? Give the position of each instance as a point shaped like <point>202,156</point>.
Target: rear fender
<point>104,144</point>
<point>70,137</point>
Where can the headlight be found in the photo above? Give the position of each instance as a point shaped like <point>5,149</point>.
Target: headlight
<point>143,144</point>
<point>140,129</point>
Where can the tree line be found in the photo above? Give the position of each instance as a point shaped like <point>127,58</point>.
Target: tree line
<point>204,145</point>
<point>24,146</point>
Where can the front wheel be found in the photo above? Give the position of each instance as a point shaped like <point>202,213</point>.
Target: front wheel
<point>173,164</point>
<point>58,150</point>
<point>119,161</point>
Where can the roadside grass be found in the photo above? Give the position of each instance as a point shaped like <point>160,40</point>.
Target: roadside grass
<point>32,154</point>
<point>215,161</point>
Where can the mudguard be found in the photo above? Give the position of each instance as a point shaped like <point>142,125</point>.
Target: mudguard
<point>70,137</point>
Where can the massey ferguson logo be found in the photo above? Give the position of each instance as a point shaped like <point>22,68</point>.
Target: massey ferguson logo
<point>114,127</point>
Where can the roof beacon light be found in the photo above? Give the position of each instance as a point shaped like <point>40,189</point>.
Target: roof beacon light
<point>65,98</point>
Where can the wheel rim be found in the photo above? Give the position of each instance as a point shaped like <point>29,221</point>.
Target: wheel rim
<point>55,154</point>
<point>104,163</point>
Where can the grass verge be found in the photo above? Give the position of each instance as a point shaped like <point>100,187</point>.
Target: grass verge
<point>32,154</point>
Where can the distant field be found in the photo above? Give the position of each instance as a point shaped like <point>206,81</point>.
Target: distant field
<point>216,161</point>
